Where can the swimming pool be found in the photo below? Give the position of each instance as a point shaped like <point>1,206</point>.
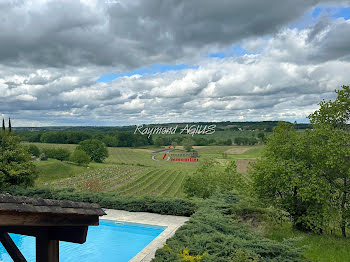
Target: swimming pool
<point>109,242</point>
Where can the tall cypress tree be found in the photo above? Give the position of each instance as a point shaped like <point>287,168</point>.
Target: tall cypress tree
<point>10,127</point>
<point>3,124</point>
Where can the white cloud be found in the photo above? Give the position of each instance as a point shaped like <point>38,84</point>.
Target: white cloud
<point>49,76</point>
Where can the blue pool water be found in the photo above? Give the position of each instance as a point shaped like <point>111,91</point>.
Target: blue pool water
<point>108,242</point>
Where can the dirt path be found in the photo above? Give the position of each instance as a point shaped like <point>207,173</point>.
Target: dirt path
<point>243,165</point>
<point>236,150</point>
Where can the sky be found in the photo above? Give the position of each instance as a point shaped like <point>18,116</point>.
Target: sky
<point>127,62</point>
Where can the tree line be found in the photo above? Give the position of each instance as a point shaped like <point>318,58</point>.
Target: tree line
<point>129,139</point>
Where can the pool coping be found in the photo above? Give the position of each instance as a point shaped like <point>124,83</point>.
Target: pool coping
<point>172,223</point>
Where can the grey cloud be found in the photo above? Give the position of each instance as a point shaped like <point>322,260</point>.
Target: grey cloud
<point>133,34</point>
<point>49,64</point>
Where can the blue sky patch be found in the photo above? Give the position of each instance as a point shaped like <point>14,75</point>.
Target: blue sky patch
<point>342,12</point>
<point>156,68</point>
<point>234,51</point>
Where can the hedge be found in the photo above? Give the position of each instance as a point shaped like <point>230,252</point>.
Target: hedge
<point>153,204</point>
<point>214,234</point>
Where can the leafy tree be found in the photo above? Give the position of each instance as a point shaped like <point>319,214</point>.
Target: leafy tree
<point>288,163</point>
<point>334,113</point>
<point>80,157</point>
<point>62,154</point>
<point>34,150</point>
<point>310,171</point>
<point>95,149</point>
<point>53,137</point>
<point>110,140</point>
<point>15,165</point>
<point>209,178</point>
<point>187,144</point>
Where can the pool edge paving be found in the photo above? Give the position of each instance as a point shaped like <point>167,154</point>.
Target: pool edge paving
<point>172,223</point>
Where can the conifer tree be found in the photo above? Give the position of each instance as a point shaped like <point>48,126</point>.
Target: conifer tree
<point>10,127</point>
<point>3,124</point>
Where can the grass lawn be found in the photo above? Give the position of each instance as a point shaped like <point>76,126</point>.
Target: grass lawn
<point>318,248</point>
<point>52,170</point>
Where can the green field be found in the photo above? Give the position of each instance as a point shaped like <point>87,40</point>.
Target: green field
<point>131,171</point>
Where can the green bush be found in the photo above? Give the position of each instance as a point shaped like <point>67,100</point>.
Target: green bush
<point>34,150</point>
<point>95,149</point>
<point>187,144</point>
<point>15,165</point>
<point>43,157</point>
<point>80,157</point>
<point>61,154</point>
<point>210,178</point>
<point>213,234</point>
<point>160,205</point>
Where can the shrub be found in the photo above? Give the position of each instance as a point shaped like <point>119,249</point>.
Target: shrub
<point>95,149</point>
<point>34,150</point>
<point>209,178</point>
<point>43,157</point>
<point>153,204</point>
<point>80,157</point>
<point>15,165</point>
<point>187,144</point>
<point>57,153</point>
<point>212,235</point>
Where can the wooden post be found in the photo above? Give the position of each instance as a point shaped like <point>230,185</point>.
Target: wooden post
<point>46,250</point>
<point>11,247</point>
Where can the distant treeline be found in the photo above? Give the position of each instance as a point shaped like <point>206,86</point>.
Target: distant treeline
<point>111,139</point>
<point>125,137</point>
<point>266,126</point>
<point>116,139</point>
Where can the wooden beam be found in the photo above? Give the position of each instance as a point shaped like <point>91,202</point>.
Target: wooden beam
<point>69,234</point>
<point>11,247</point>
<point>45,219</point>
<point>46,250</point>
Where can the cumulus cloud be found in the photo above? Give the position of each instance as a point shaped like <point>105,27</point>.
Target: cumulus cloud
<point>50,60</point>
<point>129,34</point>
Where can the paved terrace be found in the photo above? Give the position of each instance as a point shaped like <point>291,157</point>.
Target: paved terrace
<point>171,222</point>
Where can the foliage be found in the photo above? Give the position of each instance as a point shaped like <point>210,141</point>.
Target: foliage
<point>245,140</point>
<point>63,137</point>
<point>95,149</point>
<point>214,235</point>
<point>187,144</point>
<point>310,171</point>
<point>160,205</point>
<point>262,137</point>
<point>15,165</point>
<point>186,257</point>
<point>61,154</point>
<point>34,150</point>
<point>209,178</point>
<point>129,139</point>
<point>80,157</point>
<point>110,140</point>
<point>43,157</point>
<point>334,113</point>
